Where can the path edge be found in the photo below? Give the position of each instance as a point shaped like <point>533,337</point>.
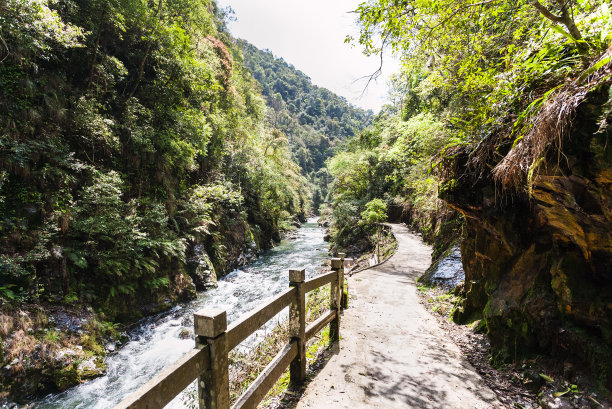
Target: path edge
<point>350,273</point>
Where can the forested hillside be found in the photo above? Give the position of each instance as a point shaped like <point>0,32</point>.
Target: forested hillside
<point>144,152</point>
<point>134,152</point>
<point>498,138</point>
<point>140,158</point>
<point>314,119</point>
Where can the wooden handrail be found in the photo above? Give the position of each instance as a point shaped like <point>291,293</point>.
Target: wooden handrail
<point>159,391</point>
<point>319,281</point>
<point>318,325</point>
<point>253,320</point>
<point>267,378</point>
<point>214,340</point>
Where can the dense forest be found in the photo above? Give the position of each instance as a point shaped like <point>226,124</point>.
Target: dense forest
<point>314,119</point>
<point>497,138</point>
<point>138,161</point>
<point>131,140</point>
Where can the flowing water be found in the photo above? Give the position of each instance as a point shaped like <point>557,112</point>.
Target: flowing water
<point>155,343</point>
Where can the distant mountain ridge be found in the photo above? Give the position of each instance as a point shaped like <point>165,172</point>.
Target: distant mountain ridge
<point>313,118</point>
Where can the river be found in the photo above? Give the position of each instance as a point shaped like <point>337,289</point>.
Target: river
<point>155,342</point>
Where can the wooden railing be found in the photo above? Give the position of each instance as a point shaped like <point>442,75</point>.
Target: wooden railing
<point>208,361</point>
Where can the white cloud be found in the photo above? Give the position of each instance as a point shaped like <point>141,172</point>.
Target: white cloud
<point>310,35</point>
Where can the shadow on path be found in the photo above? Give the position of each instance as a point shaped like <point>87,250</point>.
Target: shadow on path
<point>393,354</point>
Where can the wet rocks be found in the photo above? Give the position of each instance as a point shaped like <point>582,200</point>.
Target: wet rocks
<point>550,402</point>
<point>185,333</point>
<point>447,272</point>
<point>201,269</point>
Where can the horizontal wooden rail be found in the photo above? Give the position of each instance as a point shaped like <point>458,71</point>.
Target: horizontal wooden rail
<point>252,321</point>
<point>318,325</point>
<point>319,281</point>
<point>268,377</point>
<point>159,391</point>
<point>208,362</point>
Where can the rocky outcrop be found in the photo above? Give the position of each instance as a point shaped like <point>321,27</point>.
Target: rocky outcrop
<point>447,272</point>
<point>538,263</point>
<point>49,349</point>
<point>201,269</point>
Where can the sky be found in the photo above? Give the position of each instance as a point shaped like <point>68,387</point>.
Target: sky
<point>309,34</point>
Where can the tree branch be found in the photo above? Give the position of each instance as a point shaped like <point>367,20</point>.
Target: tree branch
<point>457,10</point>
<point>95,52</point>
<point>141,68</point>
<point>146,53</point>
<point>545,12</point>
<point>375,74</point>
<point>565,18</point>
<point>8,51</point>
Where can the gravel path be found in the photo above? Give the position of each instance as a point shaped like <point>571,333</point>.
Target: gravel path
<point>393,353</point>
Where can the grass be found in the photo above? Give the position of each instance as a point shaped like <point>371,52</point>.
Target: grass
<point>246,366</point>
<point>439,301</point>
<point>317,303</point>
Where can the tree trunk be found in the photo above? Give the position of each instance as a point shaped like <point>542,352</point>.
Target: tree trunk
<point>64,272</point>
<point>141,68</point>
<point>95,52</point>
<point>566,19</point>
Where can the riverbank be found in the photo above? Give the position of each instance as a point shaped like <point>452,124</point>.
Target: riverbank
<point>49,348</point>
<point>157,341</point>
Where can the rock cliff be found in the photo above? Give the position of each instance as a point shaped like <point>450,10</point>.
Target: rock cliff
<point>538,261</point>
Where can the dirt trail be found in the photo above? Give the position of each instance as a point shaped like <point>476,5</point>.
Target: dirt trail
<point>393,354</point>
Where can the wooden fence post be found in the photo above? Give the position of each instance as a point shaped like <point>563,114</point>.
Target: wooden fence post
<point>213,384</point>
<point>297,327</point>
<point>334,300</point>
<point>343,284</point>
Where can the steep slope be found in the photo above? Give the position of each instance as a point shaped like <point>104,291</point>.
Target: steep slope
<point>134,168</point>
<point>537,264</point>
<point>314,119</point>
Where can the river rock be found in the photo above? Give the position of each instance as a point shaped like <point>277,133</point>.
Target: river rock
<point>550,402</point>
<point>185,333</point>
<point>201,269</point>
<point>110,347</point>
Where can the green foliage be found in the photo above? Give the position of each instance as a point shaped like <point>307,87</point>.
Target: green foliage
<point>477,60</point>
<point>475,75</point>
<point>391,161</point>
<point>312,120</point>
<point>129,133</point>
<point>375,212</point>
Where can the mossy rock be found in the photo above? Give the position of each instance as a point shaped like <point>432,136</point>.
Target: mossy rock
<point>67,377</point>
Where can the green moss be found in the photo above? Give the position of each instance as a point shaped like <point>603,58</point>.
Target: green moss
<point>67,376</point>
<point>525,330</point>
<point>90,343</point>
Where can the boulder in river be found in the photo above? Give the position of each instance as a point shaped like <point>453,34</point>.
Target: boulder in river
<point>201,269</point>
